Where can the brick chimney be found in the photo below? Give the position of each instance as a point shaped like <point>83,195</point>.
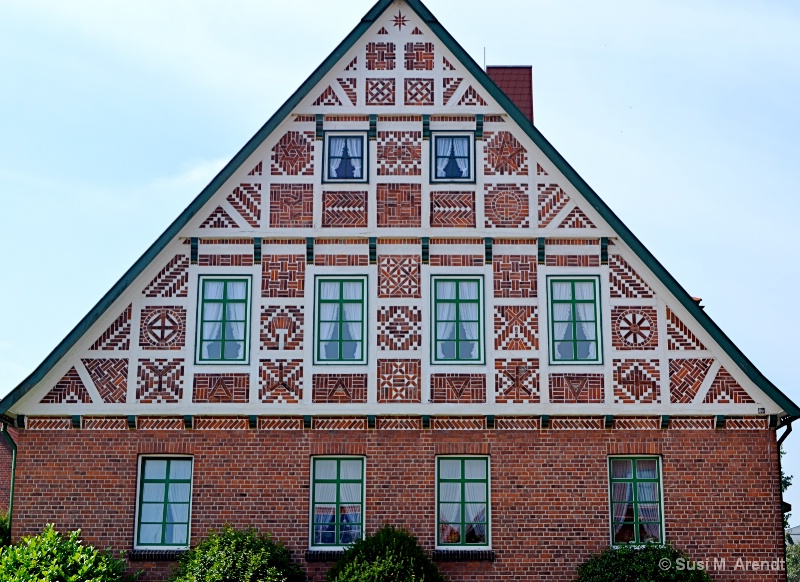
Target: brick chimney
<point>517,84</point>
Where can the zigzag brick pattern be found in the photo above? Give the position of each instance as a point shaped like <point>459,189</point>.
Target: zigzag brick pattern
<point>691,423</point>
<point>172,280</point>
<point>504,155</point>
<point>637,423</point>
<point>725,390</point>
<point>453,209</point>
<point>328,98</point>
<point>282,327</point>
<point>419,56</point>
<point>399,276</point>
<point>293,155</point>
<point>636,381</point>
<point>380,56</point>
<point>48,423</point>
<point>516,381</point>
<point>680,337</point>
<point>625,282</point>
<point>68,390</point>
<point>398,423</point>
<point>516,423</point>
<point>159,423</point>
<point>349,86</point>
<point>514,276</point>
<point>221,388</point>
<point>105,423</point>
<point>576,219</point>
<point>449,86</point>
<point>220,423</point>
<point>418,92</point>
<point>344,209</point>
<point>634,328</point>
<point>163,328</point>
<point>399,153</point>
<point>380,92</point>
<point>458,388</point>
<point>219,219</point>
<point>516,327</point>
<point>507,206</point>
<point>552,200</point>
<point>471,97</point>
<point>280,423</point>
<point>399,381</point>
<point>747,423</point>
<point>339,388</point>
<point>458,423</point>
<point>118,334</point>
<point>576,423</point>
<point>291,205</point>
<point>399,205</point>
<point>159,381</point>
<point>283,276</point>
<point>338,423</point>
<point>110,378</point>
<point>280,381</point>
<point>686,377</point>
<point>399,328</point>
<point>577,388</point>
<point>246,199</point>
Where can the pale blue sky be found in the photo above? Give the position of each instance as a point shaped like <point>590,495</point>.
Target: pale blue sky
<point>681,114</point>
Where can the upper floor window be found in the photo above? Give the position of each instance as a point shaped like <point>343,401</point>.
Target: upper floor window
<point>574,320</point>
<point>635,500</point>
<point>345,157</point>
<point>223,318</point>
<point>453,157</point>
<point>462,501</point>
<point>165,493</point>
<point>457,325</point>
<point>340,316</point>
<point>337,500</point>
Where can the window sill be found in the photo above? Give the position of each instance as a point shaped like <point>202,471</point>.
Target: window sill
<point>154,555</point>
<point>463,555</point>
<point>323,555</point>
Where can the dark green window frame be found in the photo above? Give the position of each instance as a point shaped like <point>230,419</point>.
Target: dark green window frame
<point>462,502</point>
<point>346,168</point>
<point>336,325</point>
<point>164,502</point>
<point>337,501</point>
<point>221,319</point>
<point>570,329</point>
<point>457,336</point>
<point>635,500</point>
<point>451,169</point>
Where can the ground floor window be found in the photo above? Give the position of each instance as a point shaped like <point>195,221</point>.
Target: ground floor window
<point>462,501</point>
<point>337,500</point>
<point>165,494</point>
<point>635,500</point>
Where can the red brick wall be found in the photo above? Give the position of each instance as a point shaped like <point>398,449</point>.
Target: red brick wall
<point>549,489</point>
<point>5,473</point>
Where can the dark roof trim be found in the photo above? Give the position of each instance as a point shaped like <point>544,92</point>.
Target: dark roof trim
<point>547,149</point>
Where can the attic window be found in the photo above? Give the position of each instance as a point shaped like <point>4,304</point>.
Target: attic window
<point>345,157</point>
<point>453,156</point>
<point>223,320</point>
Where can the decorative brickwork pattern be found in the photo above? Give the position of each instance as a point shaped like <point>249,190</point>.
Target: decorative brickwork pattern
<point>293,155</point>
<point>353,65</point>
<point>399,276</point>
<point>338,423</point>
<point>449,86</point>
<point>725,390</point>
<point>344,209</point>
<point>246,199</point>
<point>416,31</point>
<point>577,388</point>
<point>418,92</point>
<point>576,219</point>
<point>172,280</point>
<point>636,381</point>
<point>225,260</point>
<point>457,260</point>
<point>458,388</point>
<point>380,92</point>
<point>399,153</point>
<point>291,205</point>
<point>399,381</point>
<point>540,170</point>
<point>516,423</point>
<point>505,155</point>
<point>471,97</point>
<point>220,423</point>
<point>398,423</point>
<point>380,56</point>
<point>68,390</point>
<point>691,423</point>
<point>446,66</point>
<point>105,423</point>
<point>516,327</point>
<point>680,337</point>
<point>747,423</point>
<point>163,328</point>
<point>272,423</point>
<point>625,282</point>
<point>349,86</point>
<point>341,260</point>
<point>221,388</point>
<point>634,328</point>
<point>48,423</point>
<point>453,209</point>
<point>419,56</point>
<point>552,200</point>
<point>283,275</point>
<point>118,334</point>
<point>328,98</point>
<point>339,388</point>
<point>514,276</point>
<point>159,423</point>
<point>578,423</point>
<point>219,219</point>
<point>507,206</point>
<point>516,381</point>
<point>637,423</point>
<point>458,423</point>
<point>685,378</point>
<point>110,378</point>
<point>282,327</point>
<point>159,381</point>
<point>572,261</point>
<point>399,328</point>
<point>399,205</point>
<point>257,169</point>
<point>280,381</point>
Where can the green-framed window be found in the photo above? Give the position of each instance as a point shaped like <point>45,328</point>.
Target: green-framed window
<point>574,320</point>
<point>636,515</point>
<point>340,317</point>
<point>223,320</point>
<point>165,497</point>
<point>457,320</point>
<point>345,157</point>
<point>337,501</point>
<point>452,157</point>
<point>462,501</point>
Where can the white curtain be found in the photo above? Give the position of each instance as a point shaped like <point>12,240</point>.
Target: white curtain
<point>443,147</point>
<point>449,502</point>
<point>212,318</point>
<point>585,318</point>
<point>462,155</point>
<point>647,495</point>
<point>621,492</point>
<point>445,316</point>
<point>354,145</point>
<point>336,146</point>
<point>329,316</point>
<point>469,317</point>
<point>352,315</point>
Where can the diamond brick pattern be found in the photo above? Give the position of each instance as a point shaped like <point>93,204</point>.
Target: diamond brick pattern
<point>159,423</point>
<point>48,423</point>
<point>636,381</point>
<point>110,378</point>
<point>634,328</point>
<point>686,377</point>
<point>68,390</point>
<point>576,219</point>
<point>471,97</point>
<point>246,199</point>
<point>399,153</point>
<point>577,388</point>
<point>505,155</point>
<point>221,388</point>
<point>291,205</point>
<point>349,86</point>
<point>576,423</point>
<point>399,381</point>
<point>418,92</point>
<point>691,423</point>
<point>118,334</point>
<point>747,423</point>
<point>105,423</point>
<point>282,328</point>
<point>514,276</point>
<point>680,337</point>
<point>399,276</point>
<point>280,381</point>
<point>163,328</point>
<point>516,423</point>
<point>381,56</point>
<point>399,205</point>
<point>159,380</point>
<point>399,328</point>
<point>453,209</point>
<point>338,423</point>
<point>380,92</point>
<point>328,98</point>
<point>516,381</point>
<point>172,280</point>
<point>458,423</point>
<point>637,423</point>
<point>339,388</point>
<point>625,282</point>
<point>419,56</point>
<point>293,155</point>
<point>398,423</point>
<point>220,423</point>
<point>725,390</point>
<point>458,388</point>
<point>507,206</point>
<point>516,327</point>
<point>552,200</point>
<point>271,423</point>
<point>219,219</point>
<point>449,86</point>
<point>344,209</point>
<point>283,275</point>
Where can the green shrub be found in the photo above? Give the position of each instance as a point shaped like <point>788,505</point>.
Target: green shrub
<point>651,562</point>
<point>52,557</point>
<point>237,555</point>
<point>391,555</point>
<point>5,529</point>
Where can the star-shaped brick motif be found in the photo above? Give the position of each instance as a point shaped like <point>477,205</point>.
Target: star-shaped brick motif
<point>508,154</point>
<point>400,21</point>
